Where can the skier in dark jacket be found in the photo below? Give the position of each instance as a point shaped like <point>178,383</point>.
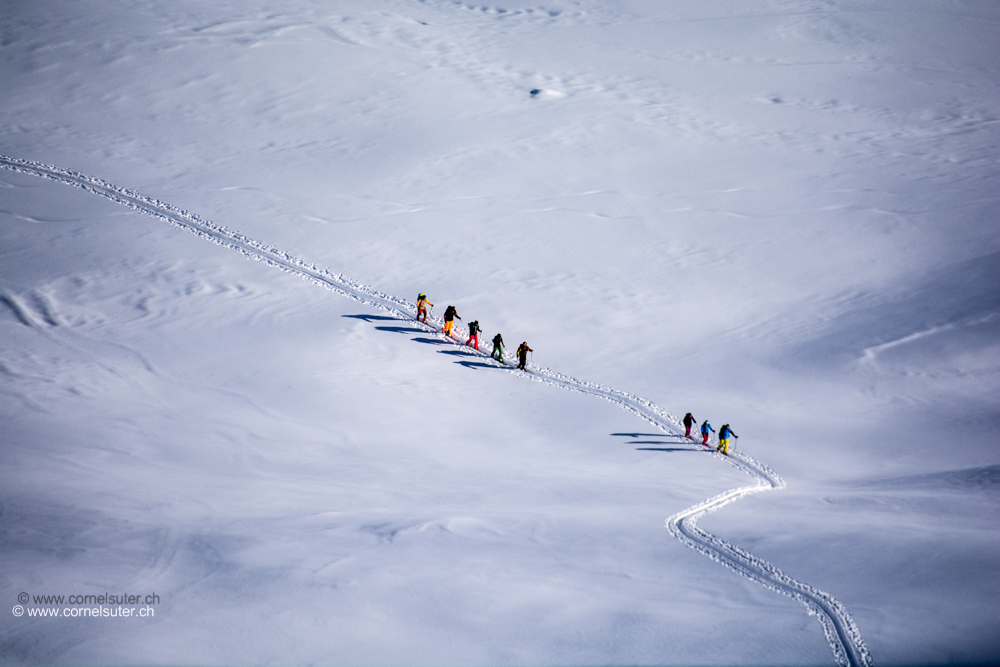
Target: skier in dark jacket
<point>473,334</point>
<point>449,319</point>
<point>705,428</point>
<point>497,352</point>
<point>724,433</point>
<point>522,355</point>
<point>689,421</point>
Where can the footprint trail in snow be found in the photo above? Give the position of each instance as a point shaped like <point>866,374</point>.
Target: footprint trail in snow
<point>841,632</point>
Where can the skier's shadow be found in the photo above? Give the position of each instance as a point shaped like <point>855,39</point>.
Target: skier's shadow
<point>469,355</point>
<point>454,353</point>
<point>429,341</point>
<point>666,449</point>
<point>374,318</point>
<point>666,439</point>
<point>412,329</point>
<point>400,329</point>
<point>670,437</point>
<point>476,364</point>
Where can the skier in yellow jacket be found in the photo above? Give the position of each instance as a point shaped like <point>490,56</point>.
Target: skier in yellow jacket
<point>422,304</point>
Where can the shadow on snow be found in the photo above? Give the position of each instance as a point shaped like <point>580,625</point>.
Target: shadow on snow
<point>373,318</point>
<point>666,439</point>
<point>400,329</point>
<point>670,449</point>
<point>414,329</point>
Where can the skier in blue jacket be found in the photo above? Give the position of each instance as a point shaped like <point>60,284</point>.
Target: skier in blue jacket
<point>724,434</point>
<point>705,429</point>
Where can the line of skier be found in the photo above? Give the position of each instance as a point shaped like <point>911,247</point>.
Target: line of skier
<point>725,433</point>
<point>451,314</point>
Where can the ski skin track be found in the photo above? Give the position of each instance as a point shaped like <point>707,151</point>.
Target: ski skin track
<point>840,630</point>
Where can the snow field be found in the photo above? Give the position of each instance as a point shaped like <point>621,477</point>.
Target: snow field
<point>166,518</point>
<point>782,217</point>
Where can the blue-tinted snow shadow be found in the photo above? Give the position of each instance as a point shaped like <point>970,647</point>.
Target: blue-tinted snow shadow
<point>672,438</point>
<point>408,326</point>
<point>469,362</point>
<point>670,449</point>
<point>952,306</point>
<point>660,442</point>
<point>430,341</point>
<point>665,439</point>
<point>455,353</point>
<point>373,318</point>
<point>476,364</point>
<point>400,329</point>
<point>985,478</point>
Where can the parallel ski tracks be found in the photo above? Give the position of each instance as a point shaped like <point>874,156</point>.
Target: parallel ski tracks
<point>841,632</point>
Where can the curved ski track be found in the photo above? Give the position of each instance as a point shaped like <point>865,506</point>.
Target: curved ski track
<point>841,632</point>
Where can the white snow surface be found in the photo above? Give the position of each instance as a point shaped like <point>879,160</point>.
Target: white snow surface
<point>783,215</point>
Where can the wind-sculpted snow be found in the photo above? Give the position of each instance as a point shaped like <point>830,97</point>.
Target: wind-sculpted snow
<point>841,632</point>
<point>215,233</point>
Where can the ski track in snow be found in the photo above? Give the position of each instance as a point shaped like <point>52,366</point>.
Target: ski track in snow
<point>841,632</point>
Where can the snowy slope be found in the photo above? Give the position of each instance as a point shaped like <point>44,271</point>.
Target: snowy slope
<point>781,216</point>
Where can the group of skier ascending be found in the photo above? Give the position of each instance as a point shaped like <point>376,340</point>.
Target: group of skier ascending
<point>451,314</point>
<point>725,433</point>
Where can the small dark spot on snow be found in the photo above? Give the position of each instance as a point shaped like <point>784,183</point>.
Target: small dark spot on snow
<point>546,94</point>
